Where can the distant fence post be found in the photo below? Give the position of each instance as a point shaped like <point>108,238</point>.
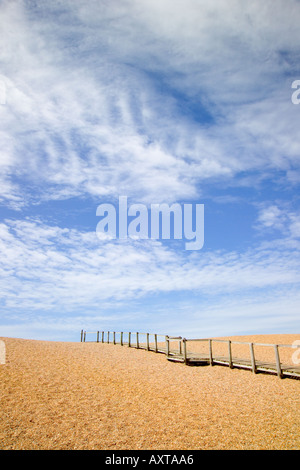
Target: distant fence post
<point>184,350</point>
<point>81,336</point>
<point>230,354</point>
<point>210,353</point>
<point>84,336</point>
<point>102,336</point>
<point>108,337</point>
<point>155,342</point>
<point>148,347</point>
<point>278,366</point>
<point>129,339</point>
<point>121,339</point>
<point>137,340</point>
<point>97,336</point>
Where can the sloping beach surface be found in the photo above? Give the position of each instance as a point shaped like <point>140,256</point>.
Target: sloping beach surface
<point>60,395</point>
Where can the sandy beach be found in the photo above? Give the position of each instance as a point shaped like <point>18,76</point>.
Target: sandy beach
<point>60,395</point>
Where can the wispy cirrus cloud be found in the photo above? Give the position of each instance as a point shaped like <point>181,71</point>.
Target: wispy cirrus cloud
<point>60,278</point>
<point>94,107</point>
<point>60,267</point>
<point>279,217</point>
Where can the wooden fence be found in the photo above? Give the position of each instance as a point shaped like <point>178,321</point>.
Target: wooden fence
<point>203,351</point>
<point>211,355</point>
<point>148,341</point>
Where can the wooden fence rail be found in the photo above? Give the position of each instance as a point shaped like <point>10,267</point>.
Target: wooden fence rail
<point>177,349</point>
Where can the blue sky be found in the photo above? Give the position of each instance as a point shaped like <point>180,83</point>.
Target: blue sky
<point>163,102</point>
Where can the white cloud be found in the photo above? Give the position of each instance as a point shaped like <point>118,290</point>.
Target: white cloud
<point>84,116</point>
<point>280,218</point>
<point>56,280</point>
<point>44,267</point>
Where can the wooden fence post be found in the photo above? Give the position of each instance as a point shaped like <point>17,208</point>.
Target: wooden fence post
<point>148,347</point>
<point>129,339</point>
<point>97,336</point>
<point>230,354</point>
<point>210,353</point>
<point>81,336</point>
<point>137,340</point>
<point>252,358</point>
<point>114,337</point>
<point>155,342</point>
<point>278,366</point>
<point>121,338</point>
<point>167,345</point>
<point>184,350</point>
<point>108,337</point>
